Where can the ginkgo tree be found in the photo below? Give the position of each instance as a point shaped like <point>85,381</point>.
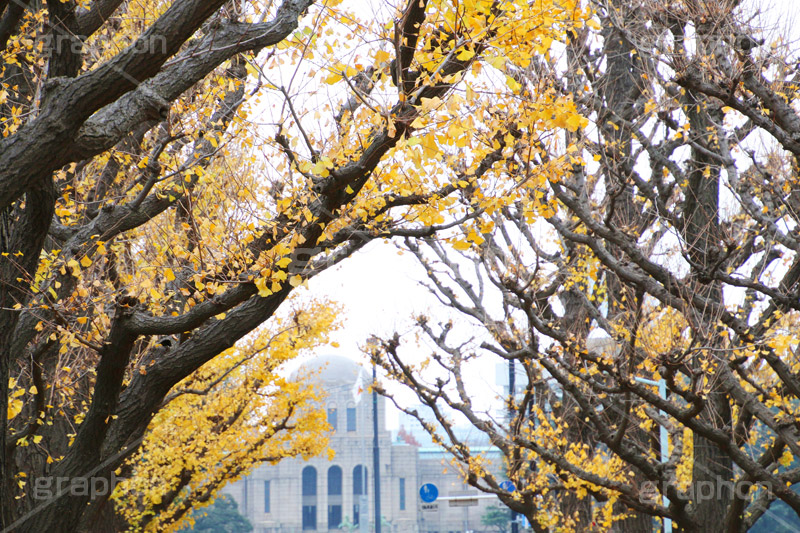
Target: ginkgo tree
<point>150,218</point>
<point>646,299</point>
<point>233,413</point>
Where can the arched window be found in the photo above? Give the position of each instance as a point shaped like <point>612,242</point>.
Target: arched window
<point>334,497</point>
<point>359,491</point>
<point>359,480</point>
<point>309,498</point>
<point>334,481</point>
<point>309,481</point>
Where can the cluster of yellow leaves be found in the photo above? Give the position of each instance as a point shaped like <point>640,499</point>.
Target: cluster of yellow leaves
<point>231,415</point>
<point>15,404</point>
<point>452,136</point>
<point>665,331</point>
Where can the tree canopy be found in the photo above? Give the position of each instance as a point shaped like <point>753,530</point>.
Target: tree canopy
<point>223,516</point>
<point>605,192</point>
<point>172,171</point>
<point>652,298</point>
<point>498,518</point>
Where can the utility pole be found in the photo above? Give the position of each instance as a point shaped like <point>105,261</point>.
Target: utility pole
<point>376,453</point>
<point>512,385</point>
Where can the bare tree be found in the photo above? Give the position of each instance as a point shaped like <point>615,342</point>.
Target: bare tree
<point>652,289</point>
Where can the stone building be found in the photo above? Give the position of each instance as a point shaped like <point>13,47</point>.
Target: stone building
<point>322,495</point>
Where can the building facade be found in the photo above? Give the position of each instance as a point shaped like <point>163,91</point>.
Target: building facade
<point>297,496</point>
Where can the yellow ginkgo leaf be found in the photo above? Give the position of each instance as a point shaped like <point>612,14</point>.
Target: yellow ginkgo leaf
<point>14,408</point>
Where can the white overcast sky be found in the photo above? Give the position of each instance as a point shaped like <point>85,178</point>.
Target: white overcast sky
<point>379,290</point>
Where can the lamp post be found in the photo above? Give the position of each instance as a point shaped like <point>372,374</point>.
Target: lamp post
<point>373,342</point>
<point>512,385</point>
<point>376,452</point>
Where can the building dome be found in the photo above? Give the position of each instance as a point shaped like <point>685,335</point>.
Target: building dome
<point>330,369</point>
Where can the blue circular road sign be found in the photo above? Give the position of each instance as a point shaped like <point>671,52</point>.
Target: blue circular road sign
<point>508,486</point>
<point>428,492</point>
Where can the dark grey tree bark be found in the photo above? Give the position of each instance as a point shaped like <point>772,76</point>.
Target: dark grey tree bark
<point>81,116</point>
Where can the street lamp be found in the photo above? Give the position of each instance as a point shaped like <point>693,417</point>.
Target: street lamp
<point>376,453</point>
<point>512,374</point>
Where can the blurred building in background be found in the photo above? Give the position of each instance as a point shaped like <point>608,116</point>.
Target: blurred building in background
<point>321,495</point>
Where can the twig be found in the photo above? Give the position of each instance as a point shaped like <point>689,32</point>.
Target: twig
<point>314,154</point>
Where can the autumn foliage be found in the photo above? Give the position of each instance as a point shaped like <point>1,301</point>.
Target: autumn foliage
<point>171,172</point>
<point>645,298</point>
